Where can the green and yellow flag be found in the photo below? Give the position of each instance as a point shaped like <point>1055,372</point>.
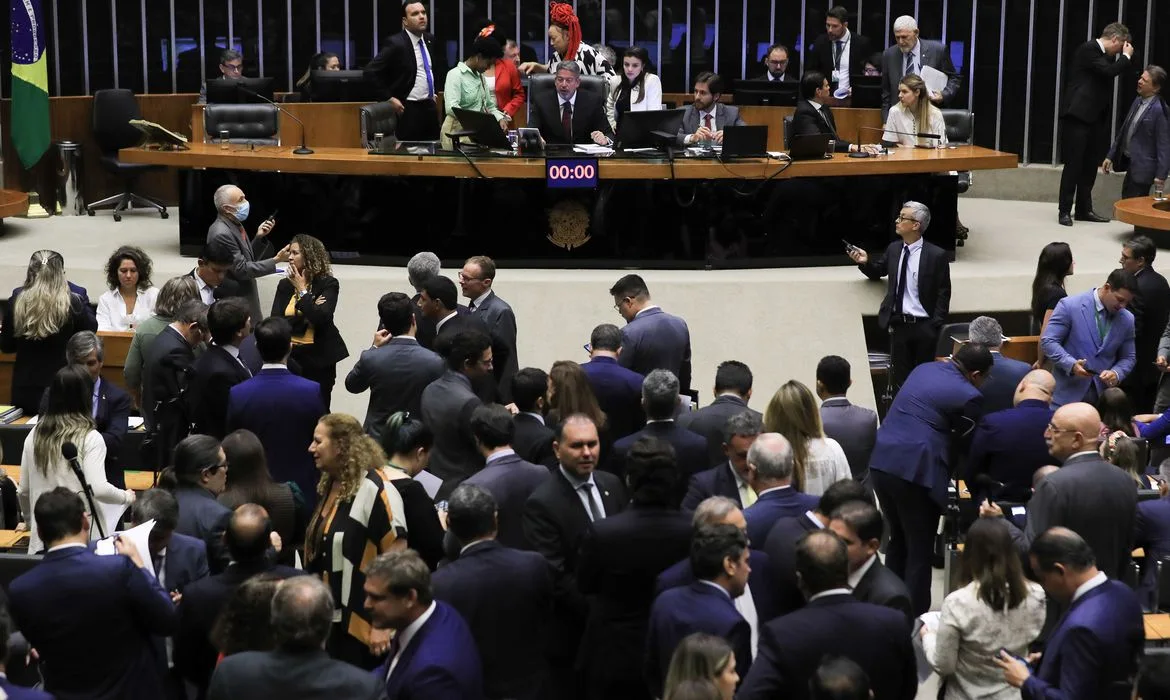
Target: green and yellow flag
<point>30,82</point>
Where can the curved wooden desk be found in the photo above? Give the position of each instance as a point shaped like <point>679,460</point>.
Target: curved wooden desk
<point>1145,212</point>
<point>12,203</point>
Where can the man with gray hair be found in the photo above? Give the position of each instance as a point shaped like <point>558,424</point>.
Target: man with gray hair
<point>771,465</point>
<point>999,388</point>
<point>299,668</point>
<point>569,115</point>
<point>729,478</point>
<point>249,256</point>
<point>660,403</point>
<point>910,54</point>
<point>420,269</point>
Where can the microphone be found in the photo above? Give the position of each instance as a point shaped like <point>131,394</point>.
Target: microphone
<point>303,150</point>
<point>916,134</point>
<point>69,452</point>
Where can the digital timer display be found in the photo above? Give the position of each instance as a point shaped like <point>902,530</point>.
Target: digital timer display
<point>571,173</point>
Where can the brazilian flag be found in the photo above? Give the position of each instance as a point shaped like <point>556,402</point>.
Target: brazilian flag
<point>30,82</point>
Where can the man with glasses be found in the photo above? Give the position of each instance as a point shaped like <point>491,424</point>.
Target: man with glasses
<point>570,115</point>
<point>231,65</point>
<point>1090,340</point>
<point>475,280</point>
<point>776,61</point>
<point>652,338</point>
<point>1151,311</point>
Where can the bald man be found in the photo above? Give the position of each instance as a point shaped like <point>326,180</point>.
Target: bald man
<point>1009,445</point>
<point>249,259</point>
<point>1087,495</point>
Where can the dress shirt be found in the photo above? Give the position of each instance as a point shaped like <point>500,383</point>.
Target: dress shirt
<point>691,137</point>
<point>647,307</point>
<point>841,68</point>
<point>466,89</point>
<point>498,455</point>
<point>746,605</point>
<point>1089,585</point>
<point>1102,316</point>
<point>97,388</point>
<point>911,304</point>
<point>856,576</point>
<point>1137,117</point>
<point>443,320</point>
<point>112,314</point>
<point>537,416</point>
<point>273,365</point>
<point>235,353</point>
<point>831,591</point>
<point>812,518</point>
<point>469,546</point>
<point>206,291</point>
<point>408,634</point>
<point>1102,45</point>
<point>915,60</point>
<point>774,488</point>
<point>571,100</point>
<point>771,79</point>
<point>577,484</point>
<point>477,302</point>
<point>420,91</point>
<point>746,496</point>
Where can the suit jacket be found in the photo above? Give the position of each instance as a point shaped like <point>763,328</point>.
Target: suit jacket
<point>227,288</point>
<point>760,582</point>
<point>505,596</point>
<point>1097,644</point>
<point>854,427</point>
<point>1072,334</point>
<point>510,480</point>
<point>934,281</point>
<point>709,421</point>
<point>619,393</point>
<point>533,440</point>
<point>914,443</point>
<point>485,387</point>
<point>781,549</point>
<point>698,607</point>
<point>15,692</point>
<point>1149,147</point>
<point>394,69</point>
<point>1151,311</point>
<point>250,258</point>
<point>658,340</point>
<point>447,404</point>
<point>881,586</point>
<point>690,451</point>
<point>791,647</point>
<point>185,562</point>
<point>292,675</point>
<point>820,56</point>
<point>282,409</point>
<point>1088,85</point>
<point>1007,449</point>
<point>497,315</point>
<point>999,389</point>
<point>1092,498</point>
<point>439,662</point>
<point>544,113</point>
<point>73,595</point>
<point>770,507</point>
<point>1151,531</point>
<point>725,116</point>
<point>203,517</point>
<point>933,54</point>
<point>808,120</point>
<point>716,481</point>
<point>168,357</point>
<point>328,348</point>
<point>216,372</point>
<point>396,375</point>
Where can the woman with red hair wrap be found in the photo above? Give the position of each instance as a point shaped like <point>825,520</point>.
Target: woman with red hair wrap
<point>564,35</point>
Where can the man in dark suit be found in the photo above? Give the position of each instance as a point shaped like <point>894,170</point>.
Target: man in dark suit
<point>660,401</point>
<point>777,64</point>
<point>733,390</point>
<point>504,595</point>
<point>211,274</point>
<point>621,557</point>
<point>618,389</point>
<point>556,516</point>
<point>433,653</point>
<point>1097,643</point>
<point>1141,148</point>
<point>281,408</point>
<point>999,389</point>
<point>1151,532</point>
<point>405,72</point>
<point>396,368</point>
<point>475,280</point>
<point>249,257</point>
<point>447,404</point>
<point>1085,107</point>
<point>1008,446</point>
<point>1085,494</point>
<point>92,619</point>
<point>911,464</point>
<point>860,525</point>
<point>508,478</point>
<point>1151,310</point>
<point>918,294</point>
<point>770,465</point>
<point>167,372</point>
<point>439,301</point>
<point>729,479</point>
<point>111,405</point>
<point>706,117</point>
<point>219,368</point>
<point>570,116</point>
<point>813,115</point>
<point>298,668</point>
<point>420,268</point>
<point>909,55</point>
<point>839,53</point>
<point>533,440</point>
<point>854,427</point>
<point>652,338</point>
<point>248,540</point>
<point>833,623</point>
<point>720,560</point>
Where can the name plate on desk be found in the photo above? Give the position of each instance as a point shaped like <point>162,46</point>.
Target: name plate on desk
<point>571,173</point>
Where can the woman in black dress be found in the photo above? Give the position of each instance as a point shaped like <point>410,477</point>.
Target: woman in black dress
<point>407,441</point>
<point>1055,263</point>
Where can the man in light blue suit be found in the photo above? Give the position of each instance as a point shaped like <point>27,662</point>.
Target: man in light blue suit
<point>1090,340</point>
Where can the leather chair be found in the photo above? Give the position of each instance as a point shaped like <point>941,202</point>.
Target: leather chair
<point>945,345</point>
<point>377,118</point>
<point>960,130</point>
<point>245,123</point>
<point>112,112</point>
<point>545,83</point>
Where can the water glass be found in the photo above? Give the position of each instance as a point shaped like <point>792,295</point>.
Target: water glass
<point>224,135</point>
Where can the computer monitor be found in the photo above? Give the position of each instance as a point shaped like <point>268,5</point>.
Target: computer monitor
<point>239,90</point>
<point>637,129</point>
<point>867,91</point>
<point>341,86</point>
<point>772,93</point>
<point>487,130</point>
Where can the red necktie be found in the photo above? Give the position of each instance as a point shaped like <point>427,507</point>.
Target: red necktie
<point>567,121</point>
<point>707,121</point>
<point>244,235</point>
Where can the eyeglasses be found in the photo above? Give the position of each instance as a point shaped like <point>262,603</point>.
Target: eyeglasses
<point>232,67</point>
<point>901,218</point>
<point>1054,429</point>
<point>618,304</point>
<point>465,278</point>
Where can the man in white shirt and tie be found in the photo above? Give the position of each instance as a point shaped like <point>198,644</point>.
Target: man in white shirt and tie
<point>705,118</point>
<point>909,55</point>
<point>405,72</point>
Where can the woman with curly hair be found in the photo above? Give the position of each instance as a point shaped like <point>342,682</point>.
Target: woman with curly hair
<point>131,297</point>
<point>307,298</point>
<point>352,524</point>
<point>818,461</point>
<point>564,35</point>
<point>41,318</point>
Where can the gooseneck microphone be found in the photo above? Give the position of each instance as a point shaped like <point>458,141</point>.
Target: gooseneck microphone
<point>69,452</point>
<point>303,150</point>
<point>916,134</point>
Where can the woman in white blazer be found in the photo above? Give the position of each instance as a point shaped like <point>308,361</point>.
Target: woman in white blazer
<point>131,297</point>
<point>638,91</point>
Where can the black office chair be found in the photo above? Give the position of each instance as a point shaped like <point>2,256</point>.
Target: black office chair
<point>377,118</point>
<point>112,112</point>
<point>257,124</point>
<point>946,345</point>
<point>787,131</point>
<point>960,130</point>
<point>546,82</point>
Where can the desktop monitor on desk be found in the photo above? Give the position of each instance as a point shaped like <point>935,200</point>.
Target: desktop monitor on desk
<point>770,93</point>
<point>487,131</point>
<point>341,86</point>
<point>649,129</point>
<point>866,91</point>
<point>239,90</point>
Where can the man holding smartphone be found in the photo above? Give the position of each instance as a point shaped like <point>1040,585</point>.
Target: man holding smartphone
<point>249,259</point>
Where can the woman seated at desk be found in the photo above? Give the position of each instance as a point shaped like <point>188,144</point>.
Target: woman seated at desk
<point>131,298</point>
<point>466,88</point>
<point>914,114</point>
<point>639,89</point>
<point>502,76</point>
<point>321,61</point>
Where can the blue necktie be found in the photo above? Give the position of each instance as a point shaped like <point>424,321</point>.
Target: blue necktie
<point>422,49</point>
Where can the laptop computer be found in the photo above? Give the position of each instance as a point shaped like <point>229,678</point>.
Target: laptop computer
<point>808,146</point>
<point>744,142</point>
<point>487,130</point>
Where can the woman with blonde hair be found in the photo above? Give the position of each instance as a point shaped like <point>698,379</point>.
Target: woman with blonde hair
<point>819,461</point>
<point>344,537</point>
<point>914,114</point>
<point>702,657</point>
<point>41,318</point>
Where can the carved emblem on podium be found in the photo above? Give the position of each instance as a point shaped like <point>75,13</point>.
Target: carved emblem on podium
<point>568,222</point>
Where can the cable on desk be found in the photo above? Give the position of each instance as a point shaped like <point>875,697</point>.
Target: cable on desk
<point>478,172</point>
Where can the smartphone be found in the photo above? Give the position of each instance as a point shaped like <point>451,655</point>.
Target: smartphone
<point>272,216</point>
<point>849,247</point>
<point>1003,650</point>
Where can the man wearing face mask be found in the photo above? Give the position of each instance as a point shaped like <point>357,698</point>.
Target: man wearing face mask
<point>249,259</point>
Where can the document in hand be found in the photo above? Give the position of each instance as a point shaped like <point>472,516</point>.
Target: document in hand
<point>140,536</point>
<point>935,79</point>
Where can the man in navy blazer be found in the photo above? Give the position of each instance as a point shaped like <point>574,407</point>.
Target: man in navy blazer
<point>432,655</point>
<point>509,479</point>
<point>860,526</point>
<point>733,390</point>
<point>1009,446</point>
<point>281,408</point>
<point>652,338</point>
<point>1151,310</point>
<point>410,87</point>
<point>770,464</point>
<point>1142,147</point>
<point>1090,340</point>
<point>835,623</point>
<point>219,368</point>
<point>1151,532</point>
<point>730,478</point>
<point>1096,646</point>
<point>92,619</point>
<point>911,463</point>
<point>533,440</point>
<point>617,388</point>
<point>660,392</point>
<point>999,388</point>
<point>503,594</point>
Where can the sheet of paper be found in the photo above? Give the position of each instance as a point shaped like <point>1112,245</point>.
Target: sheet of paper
<point>935,79</point>
<point>32,420</point>
<point>592,149</point>
<point>430,482</point>
<point>135,422</point>
<point>140,536</point>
